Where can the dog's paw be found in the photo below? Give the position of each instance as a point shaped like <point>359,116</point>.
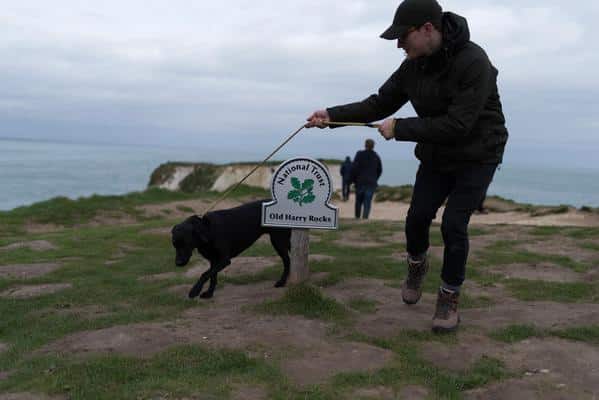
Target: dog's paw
<point>280,283</point>
<point>207,295</point>
<point>193,293</point>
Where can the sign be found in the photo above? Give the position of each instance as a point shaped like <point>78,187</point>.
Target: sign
<point>301,190</point>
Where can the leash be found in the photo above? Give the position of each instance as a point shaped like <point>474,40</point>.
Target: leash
<point>368,125</point>
<point>330,123</point>
<point>225,194</point>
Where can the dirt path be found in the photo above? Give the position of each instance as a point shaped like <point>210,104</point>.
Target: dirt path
<point>396,211</point>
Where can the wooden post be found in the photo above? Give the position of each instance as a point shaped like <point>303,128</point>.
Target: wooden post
<point>299,270</point>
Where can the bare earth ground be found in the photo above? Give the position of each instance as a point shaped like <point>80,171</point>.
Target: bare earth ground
<point>29,396</point>
<point>35,245</point>
<point>396,211</point>
<point>26,291</point>
<point>542,368</point>
<point>24,271</point>
<point>308,355</point>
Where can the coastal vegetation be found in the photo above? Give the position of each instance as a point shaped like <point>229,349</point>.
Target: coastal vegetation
<point>93,307</point>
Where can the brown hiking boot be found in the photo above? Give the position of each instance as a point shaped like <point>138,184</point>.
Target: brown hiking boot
<point>411,290</point>
<point>446,317</point>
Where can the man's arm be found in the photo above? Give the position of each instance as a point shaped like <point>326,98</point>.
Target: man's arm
<point>462,114</point>
<point>387,101</point>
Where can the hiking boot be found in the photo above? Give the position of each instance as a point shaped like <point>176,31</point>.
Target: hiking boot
<point>411,290</point>
<point>446,317</point>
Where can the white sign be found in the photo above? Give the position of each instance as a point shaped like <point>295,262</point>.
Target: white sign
<point>301,190</point>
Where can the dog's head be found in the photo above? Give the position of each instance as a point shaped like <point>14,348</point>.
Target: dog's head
<point>188,235</point>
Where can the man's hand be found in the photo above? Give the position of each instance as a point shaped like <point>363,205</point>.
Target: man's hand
<point>387,128</point>
<point>318,118</point>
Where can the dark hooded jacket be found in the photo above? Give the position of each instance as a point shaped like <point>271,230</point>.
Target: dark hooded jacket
<point>366,169</point>
<point>345,170</point>
<point>454,93</point>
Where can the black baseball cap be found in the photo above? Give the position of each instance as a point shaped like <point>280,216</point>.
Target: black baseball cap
<point>413,14</point>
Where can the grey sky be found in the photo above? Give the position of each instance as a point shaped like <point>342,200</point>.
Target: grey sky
<point>247,73</point>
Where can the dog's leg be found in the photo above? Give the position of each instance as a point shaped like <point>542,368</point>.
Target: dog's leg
<point>210,292</point>
<point>215,268</point>
<point>281,242</point>
<point>197,288</point>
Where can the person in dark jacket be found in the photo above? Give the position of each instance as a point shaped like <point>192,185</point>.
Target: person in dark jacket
<point>459,130</point>
<point>365,173</point>
<point>345,171</point>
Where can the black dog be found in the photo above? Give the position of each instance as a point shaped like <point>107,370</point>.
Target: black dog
<point>221,235</point>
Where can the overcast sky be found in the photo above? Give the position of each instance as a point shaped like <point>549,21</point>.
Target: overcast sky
<point>244,74</point>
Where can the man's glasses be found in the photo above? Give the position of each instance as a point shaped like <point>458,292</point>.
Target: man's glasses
<point>405,35</point>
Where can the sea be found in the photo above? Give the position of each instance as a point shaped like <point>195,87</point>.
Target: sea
<point>33,171</point>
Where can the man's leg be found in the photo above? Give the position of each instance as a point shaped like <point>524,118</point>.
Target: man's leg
<point>368,193</point>
<point>359,201</point>
<point>470,187</point>
<point>345,190</point>
<point>430,190</point>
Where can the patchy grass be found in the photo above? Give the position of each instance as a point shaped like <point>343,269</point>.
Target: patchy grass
<point>577,292</point>
<point>394,193</point>
<point>362,305</point>
<point>66,212</point>
<point>589,334</point>
<point>410,368</point>
<point>182,371</point>
<point>506,252</point>
<point>191,371</point>
<point>308,301</point>
<point>516,333</point>
<point>583,233</point>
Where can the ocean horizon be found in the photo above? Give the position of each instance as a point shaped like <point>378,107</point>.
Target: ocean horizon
<point>34,170</point>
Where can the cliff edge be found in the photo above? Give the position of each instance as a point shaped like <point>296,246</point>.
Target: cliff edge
<point>195,177</point>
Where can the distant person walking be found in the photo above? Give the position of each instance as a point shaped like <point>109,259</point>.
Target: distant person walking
<point>459,130</point>
<point>345,177</point>
<point>365,173</point>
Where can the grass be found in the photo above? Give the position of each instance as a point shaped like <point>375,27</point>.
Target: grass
<point>517,333</point>
<point>394,193</point>
<point>505,252</point>
<point>575,292</point>
<point>307,301</point>
<point>410,368</point>
<point>362,305</point>
<point>588,334</point>
<point>179,371</point>
<point>118,295</point>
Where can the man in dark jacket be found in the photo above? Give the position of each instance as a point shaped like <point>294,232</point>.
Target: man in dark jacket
<point>460,134</point>
<point>345,172</point>
<point>365,173</point>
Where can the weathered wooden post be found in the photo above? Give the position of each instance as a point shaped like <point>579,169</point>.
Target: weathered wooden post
<point>300,248</point>
<point>301,190</point>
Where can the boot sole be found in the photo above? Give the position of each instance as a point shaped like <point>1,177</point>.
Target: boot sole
<point>438,329</point>
<point>441,330</point>
<point>410,302</point>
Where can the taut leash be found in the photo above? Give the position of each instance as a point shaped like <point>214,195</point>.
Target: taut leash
<point>221,198</point>
<point>330,123</point>
<point>368,125</point>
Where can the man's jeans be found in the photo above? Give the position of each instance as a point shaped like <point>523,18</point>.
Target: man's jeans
<point>363,197</point>
<point>463,189</point>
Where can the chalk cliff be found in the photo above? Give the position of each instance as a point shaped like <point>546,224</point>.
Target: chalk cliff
<point>193,177</point>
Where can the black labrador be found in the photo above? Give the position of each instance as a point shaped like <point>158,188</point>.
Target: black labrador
<point>221,235</point>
